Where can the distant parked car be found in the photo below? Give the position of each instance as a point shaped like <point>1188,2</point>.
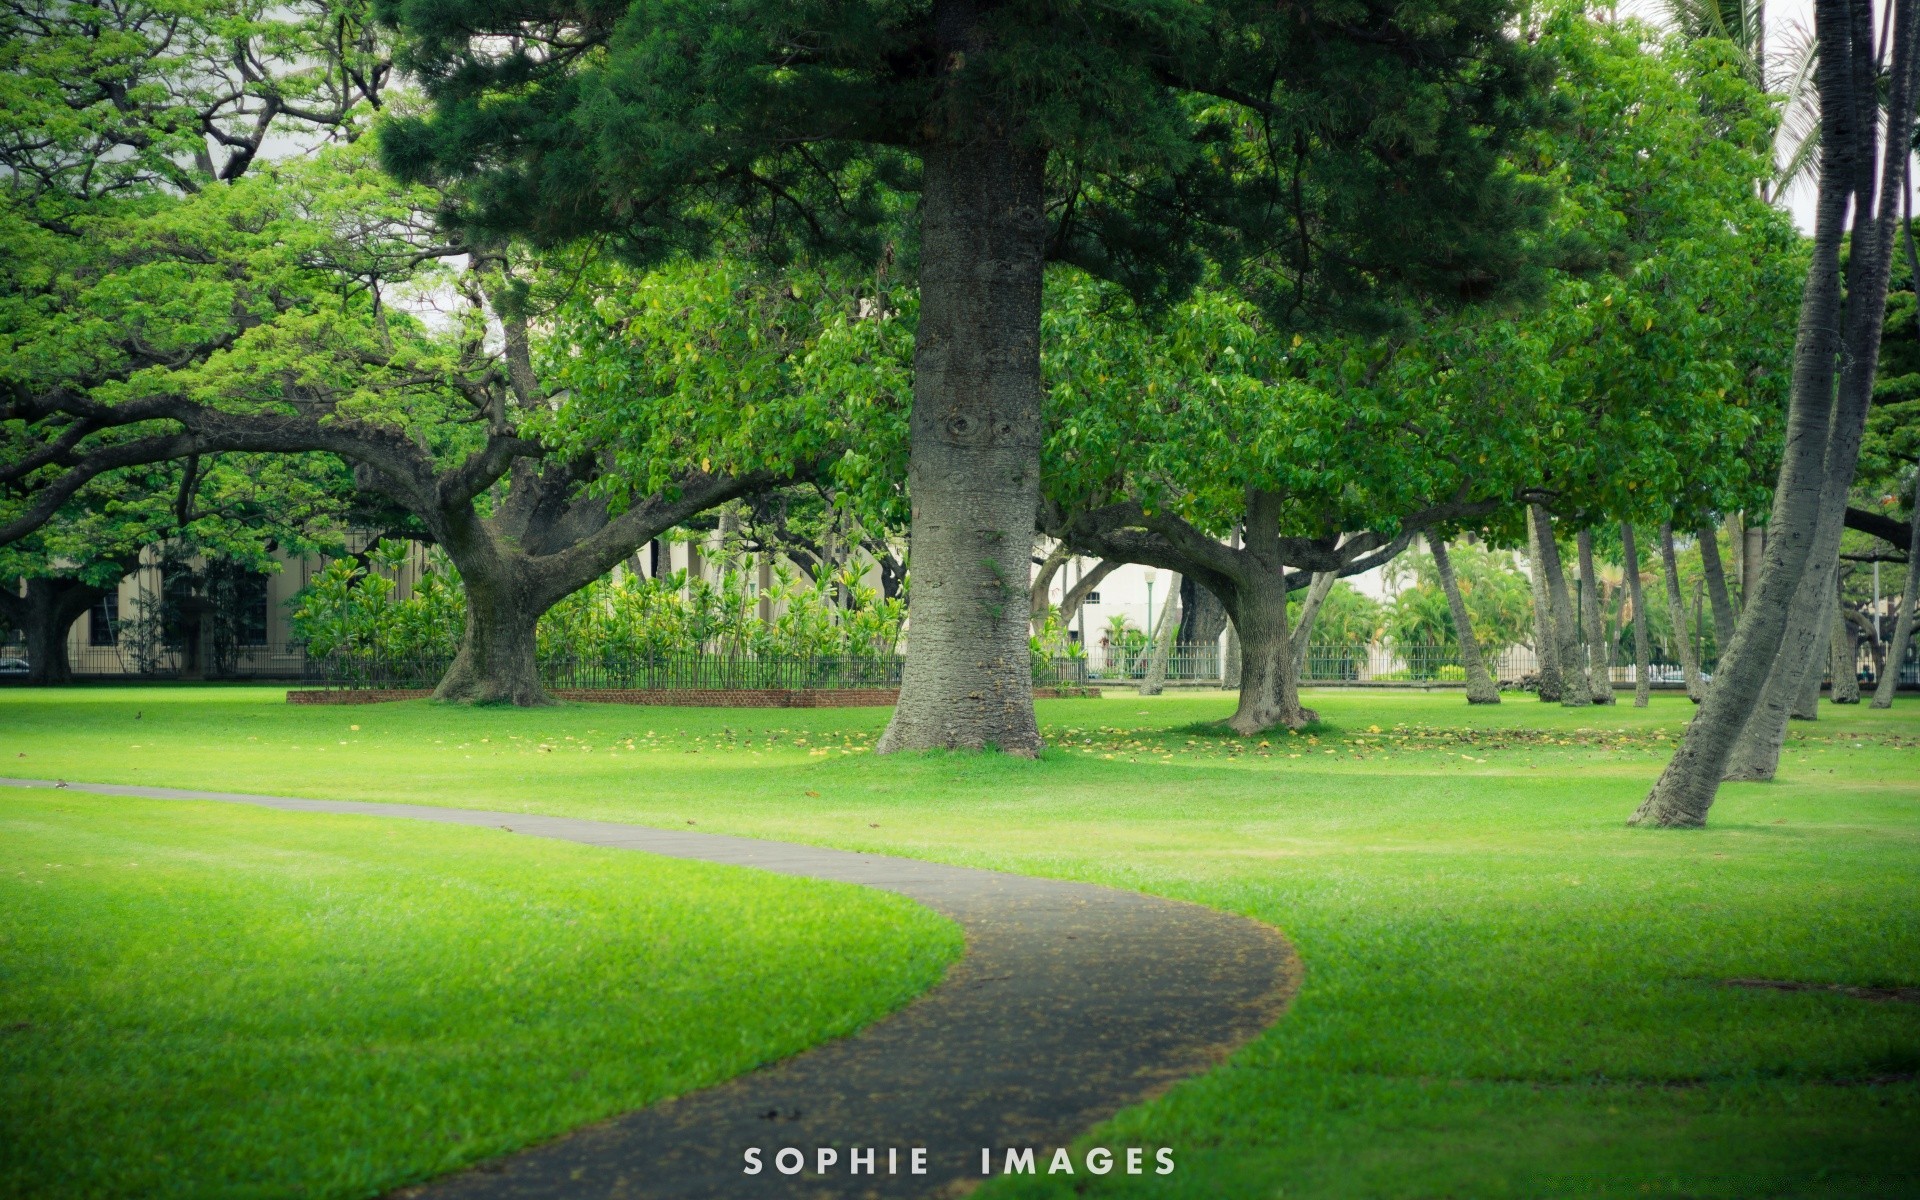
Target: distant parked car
<point>1672,674</point>
<point>13,666</point>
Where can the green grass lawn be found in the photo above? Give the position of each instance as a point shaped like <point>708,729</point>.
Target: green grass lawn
<point>1508,992</point>
<point>211,1000</point>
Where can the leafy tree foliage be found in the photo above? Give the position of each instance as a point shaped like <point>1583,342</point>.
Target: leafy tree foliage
<point>1331,160</point>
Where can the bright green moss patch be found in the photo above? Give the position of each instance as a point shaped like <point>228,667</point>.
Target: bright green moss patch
<point>212,1000</point>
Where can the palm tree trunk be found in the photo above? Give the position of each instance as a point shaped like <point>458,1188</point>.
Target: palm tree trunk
<point>1716,589</point>
<point>1155,680</point>
<point>1575,690</point>
<point>1480,686</point>
<point>1677,616</point>
<point>1599,672</point>
<point>1845,668</point>
<point>1896,651</point>
<point>1546,650</point>
<point>1642,644</point>
<point>1824,421</point>
<point>1302,635</point>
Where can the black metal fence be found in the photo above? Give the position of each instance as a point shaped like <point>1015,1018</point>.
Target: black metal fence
<point>623,672</point>
<point>1379,662</point>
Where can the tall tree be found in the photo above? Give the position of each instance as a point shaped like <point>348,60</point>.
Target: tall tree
<point>1642,648</point>
<point>1598,643</point>
<point>1324,155</point>
<point>1826,416</point>
<point>1576,691</point>
<point>1480,685</point>
<point>1677,618</point>
<point>234,511</point>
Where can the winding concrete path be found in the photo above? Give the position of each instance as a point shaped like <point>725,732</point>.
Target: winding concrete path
<point>1072,1002</point>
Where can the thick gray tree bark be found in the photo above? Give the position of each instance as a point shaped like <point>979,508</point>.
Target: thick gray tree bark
<point>1751,561</point>
<point>1716,577</point>
<point>1845,667</point>
<point>1546,645</point>
<point>1480,686</point>
<point>1599,661</point>
<point>1896,652</point>
<point>1642,643</point>
<point>1575,691</point>
<point>1230,666</point>
<point>1154,681</point>
<point>1824,422</point>
<point>1269,689</point>
<point>1819,661</point>
<point>1677,618</point>
<point>974,444</point>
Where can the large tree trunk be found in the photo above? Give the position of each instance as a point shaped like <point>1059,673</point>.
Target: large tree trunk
<point>1824,422</point>
<point>1845,667</point>
<point>974,448</point>
<point>1154,681</point>
<point>1575,691</point>
<point>45,614</point>
<point>1230,667</point>
<point>1642,644</point>
<point>1750,563</point>
<point>496,663</point>
<point>1896,651</point>
<point>1819,660</point>
<point>1546,646</point>
<point>1302,636</point>
<point>1269,691</point>
<point>1599,662</point>
<point>1677,618</point>
<point>1716,577</point>
<point>1202,618</point>
<point>1480,685</point>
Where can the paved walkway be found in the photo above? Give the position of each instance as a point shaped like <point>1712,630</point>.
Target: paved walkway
<point>1072,1002</point>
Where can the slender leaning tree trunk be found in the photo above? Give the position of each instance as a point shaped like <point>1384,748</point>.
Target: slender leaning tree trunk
<point>1599,668</point>
<point>1155,680</point>
<point>1230,672</point>
<point>1824,423</point>
<point>1845,666</point>
<point>1716,577</point>
<point>1750,563</point>
<point>1302,635</point>
<point>1677,615</point>
<point>974,450</point>
<point>1480,685</point>
<point>1642,644</point>
<point>1546,646</point>
<point>1576,691</point>
<point>1903,624</point>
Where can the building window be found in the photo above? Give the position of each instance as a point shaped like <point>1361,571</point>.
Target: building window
<point>1092,598</point>
<point>103,621</point>
<point>250,609</point>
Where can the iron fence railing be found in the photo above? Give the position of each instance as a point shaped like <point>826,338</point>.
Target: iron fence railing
<point>1376,662</point>
<point>679,672</point>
